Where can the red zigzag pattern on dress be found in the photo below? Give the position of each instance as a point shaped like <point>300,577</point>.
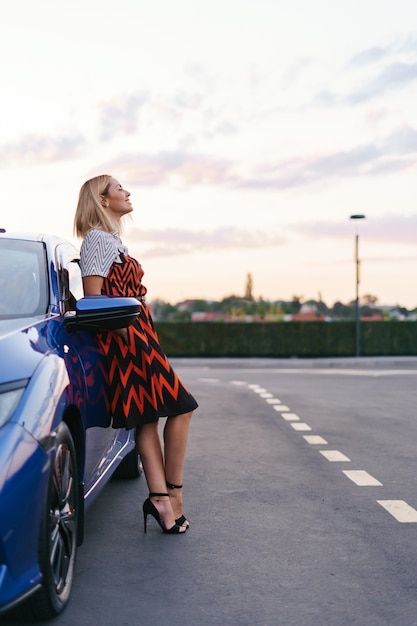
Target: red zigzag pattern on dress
<point>143,384</point>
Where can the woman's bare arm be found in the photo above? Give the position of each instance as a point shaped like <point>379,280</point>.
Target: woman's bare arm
<point>92,285</point>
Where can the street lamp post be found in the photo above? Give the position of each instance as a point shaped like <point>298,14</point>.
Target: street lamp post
<point>357,264</point>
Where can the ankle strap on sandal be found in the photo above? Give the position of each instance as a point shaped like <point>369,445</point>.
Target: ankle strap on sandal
<point>172,486</point>
<point>156,495</point>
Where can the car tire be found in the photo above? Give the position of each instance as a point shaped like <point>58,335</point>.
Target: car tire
<point>130,467</point>
<point>59,531</point>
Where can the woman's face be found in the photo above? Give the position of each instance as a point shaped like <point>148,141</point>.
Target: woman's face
<point>116,201</point>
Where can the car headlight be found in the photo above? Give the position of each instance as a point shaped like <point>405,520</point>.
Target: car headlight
<point>10,394</point>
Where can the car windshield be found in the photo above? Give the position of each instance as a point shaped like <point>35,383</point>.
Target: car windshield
<point>23,279</point>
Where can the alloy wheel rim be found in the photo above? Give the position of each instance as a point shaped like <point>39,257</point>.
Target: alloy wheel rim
<point>62,518</point>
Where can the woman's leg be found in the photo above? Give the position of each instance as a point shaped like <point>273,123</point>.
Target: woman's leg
<point>175,445</point>
<point>149,447</point>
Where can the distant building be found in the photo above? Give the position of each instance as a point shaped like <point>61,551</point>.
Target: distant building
<point>207,316</point>
<point>307,317</point>
<point>307,313</point>
<point>185,305</point>
<point>376,317</point>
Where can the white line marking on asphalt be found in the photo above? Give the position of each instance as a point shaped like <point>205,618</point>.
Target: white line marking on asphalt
<point>238,382</point>
<point>399,509</point>
<point>300,426</point>
<point>273,401</point>
<point>314,439</point>
<point>334,456</point>
<point>290,417</point>
<point>362,478</point>
<point>266,395</point>
<point>259,390</point>
<point>332,372</point>
<point>253,386</point>
<point>280,407</point>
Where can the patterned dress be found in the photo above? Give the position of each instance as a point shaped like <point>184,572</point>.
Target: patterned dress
<point>143,385</point>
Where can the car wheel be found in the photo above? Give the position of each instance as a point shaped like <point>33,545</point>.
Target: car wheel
<point>58,540</point>
<point>130,467</point>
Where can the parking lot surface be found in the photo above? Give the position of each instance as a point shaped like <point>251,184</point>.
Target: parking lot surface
<point>301,491</point>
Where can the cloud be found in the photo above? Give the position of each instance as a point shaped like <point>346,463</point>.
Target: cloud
<point>183,169</point>
<point>369,55</point>
<point>222,128</point>
<point>396,152</point>
<point>394,229</point>
<point>172,242</point>
<point>42,149</point>
<point>188,100</point>
<point>375,71</point>
<point>394,76</point>
<point>201,75</point>
<point>172,167</point>
<point>299,69</point>
<point>120,115</point>
<point>186,116</point>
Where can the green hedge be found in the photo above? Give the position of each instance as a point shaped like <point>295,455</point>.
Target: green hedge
<point>286,339</point>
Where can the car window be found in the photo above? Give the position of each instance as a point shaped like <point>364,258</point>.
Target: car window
<point>75,279</point>
<point>69,276</point>
<point>23,279</point>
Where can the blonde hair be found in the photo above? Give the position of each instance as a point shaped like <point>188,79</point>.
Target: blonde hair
<point>90,212</point>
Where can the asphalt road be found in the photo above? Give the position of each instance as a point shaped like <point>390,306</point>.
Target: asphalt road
<point>280,535</point>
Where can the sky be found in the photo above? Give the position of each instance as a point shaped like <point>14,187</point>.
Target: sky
<point>247,131</point>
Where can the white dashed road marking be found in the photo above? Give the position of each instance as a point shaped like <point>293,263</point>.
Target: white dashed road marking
<point>362,478</point>
<point>300,426</point>
<point>290,417</point>
<point>334,456</point>
<point>314,439</point>
<point>399,509</point>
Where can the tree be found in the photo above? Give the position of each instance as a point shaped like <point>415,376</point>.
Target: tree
<point>369,300</point>
<point>296,303</point>
<point>249,287</point>
<point>343,311</point>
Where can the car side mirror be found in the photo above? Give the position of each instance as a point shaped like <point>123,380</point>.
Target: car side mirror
<point>102,313</point>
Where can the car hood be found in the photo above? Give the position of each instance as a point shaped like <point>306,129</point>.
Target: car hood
<point>7,327</point>
<point>23,343</point>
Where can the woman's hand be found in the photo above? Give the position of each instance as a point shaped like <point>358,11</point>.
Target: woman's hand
<point>123,333</point>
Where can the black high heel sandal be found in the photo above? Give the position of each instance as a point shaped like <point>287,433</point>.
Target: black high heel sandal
<point>150,509</point>
<point>180,520</point>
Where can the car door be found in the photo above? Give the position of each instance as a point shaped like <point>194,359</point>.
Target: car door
<point>87,369</point>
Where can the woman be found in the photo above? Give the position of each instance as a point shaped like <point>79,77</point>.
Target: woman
<point>144,387</point>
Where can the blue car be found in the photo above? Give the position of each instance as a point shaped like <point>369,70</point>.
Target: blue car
<point>57,447</point>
